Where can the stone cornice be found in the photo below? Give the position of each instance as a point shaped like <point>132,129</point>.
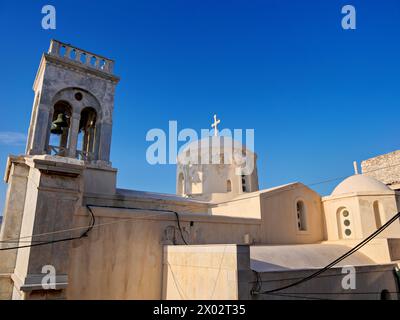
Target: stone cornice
<point>10,160</point>
<point>359,194</point>
<point>75,66</point>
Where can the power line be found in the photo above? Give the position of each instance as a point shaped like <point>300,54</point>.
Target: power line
<point>308,185</point>
<point>340,293</point>
<point>296,296</point>
<point>304,295</point>
<point>8,240</point>
<point>82,227</point>
<point>336,261</point>
<point>374,170</point>
<point>38,243</point>
<point>258,281</point>
<point>156,210</point>
<point>33,243</point>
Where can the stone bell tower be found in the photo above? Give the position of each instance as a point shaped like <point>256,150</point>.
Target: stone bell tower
<point>73,106</point>
<point>67,156</point>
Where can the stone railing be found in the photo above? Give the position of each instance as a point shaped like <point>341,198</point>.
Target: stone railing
<point>83,155</point>
<point>57,151</point>
<point>63,152</point>
<point>86,58</point>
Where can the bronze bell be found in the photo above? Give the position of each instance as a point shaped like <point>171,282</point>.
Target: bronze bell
<point>58,124</point>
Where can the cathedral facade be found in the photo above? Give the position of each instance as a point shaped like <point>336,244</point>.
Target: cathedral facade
<point>218,237</point>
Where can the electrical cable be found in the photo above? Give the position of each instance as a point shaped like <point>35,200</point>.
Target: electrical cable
<point>336,261</point>
<point>296,296</point>
<point>17,240</point>
<point>79,228</point>
<point>258,277</point>
<point>337,293</point>
<point>156,210</point>
<point>39,243</point>
<point>8,240</point>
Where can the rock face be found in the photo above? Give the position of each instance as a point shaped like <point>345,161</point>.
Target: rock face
<point>385,168</point>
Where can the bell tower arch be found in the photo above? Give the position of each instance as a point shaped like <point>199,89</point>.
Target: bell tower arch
<point>74,126</point>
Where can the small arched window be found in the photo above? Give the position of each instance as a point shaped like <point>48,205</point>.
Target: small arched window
<point>379,220</point>
<point>181,184</point>
<point>301,216</point>
<point>228,186</point>
<point>244,184</point>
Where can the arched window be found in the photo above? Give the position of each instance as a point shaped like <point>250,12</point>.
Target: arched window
<point>87,134</point>
<point>379,220</point>
<point>385,295</point>
<point>181,184</point>
<point>344,223</point>
<point>301,216</point>
<point>228,186</point>
<point>59,130</point>
<point>244,184</point>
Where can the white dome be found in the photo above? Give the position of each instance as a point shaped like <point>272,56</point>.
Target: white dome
<point>216,145</point>
<point>216,142</point>
<point>360,183</point>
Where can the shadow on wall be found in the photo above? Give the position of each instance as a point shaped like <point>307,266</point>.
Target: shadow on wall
<point>262,265</point>
<point>3,191</point>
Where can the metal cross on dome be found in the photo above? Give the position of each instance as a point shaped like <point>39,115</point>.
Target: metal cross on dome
<point>215,125</point>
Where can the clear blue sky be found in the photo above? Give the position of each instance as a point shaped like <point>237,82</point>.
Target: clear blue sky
<point>317,96</point>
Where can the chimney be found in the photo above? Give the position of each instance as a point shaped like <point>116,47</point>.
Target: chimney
<point>355,167</point>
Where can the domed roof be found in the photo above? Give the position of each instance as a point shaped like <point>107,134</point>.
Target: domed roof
<point>215,146</point>
<point>216,142</point>
<point>360,183</point>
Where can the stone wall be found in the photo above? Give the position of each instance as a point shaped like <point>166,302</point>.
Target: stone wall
<point>385,168</point>
<point>123,259</point>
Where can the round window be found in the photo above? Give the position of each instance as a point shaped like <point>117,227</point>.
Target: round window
<point>78,96</point>
<point>345,213</point>
<point>347,232</point>
<point>346,222</point>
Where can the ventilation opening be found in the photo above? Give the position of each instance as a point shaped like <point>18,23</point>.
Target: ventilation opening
<point>344,223</point>
<point>229,186</point>
<point>379,218</point>
<point>301,216</point>
<point>244,186</point>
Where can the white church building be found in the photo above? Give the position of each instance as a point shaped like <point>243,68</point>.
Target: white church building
<point>218,237</point>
